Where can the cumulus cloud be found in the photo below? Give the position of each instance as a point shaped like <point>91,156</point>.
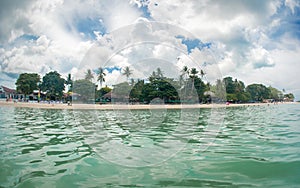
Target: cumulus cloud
<point>292,4</point>
<point>252,40</point>
<point>41,55</point>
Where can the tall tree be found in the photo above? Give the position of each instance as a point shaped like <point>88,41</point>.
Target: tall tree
<point>89,75</point>
<point>181,80</point>
<point>202,73</point>
<point>275,93</point>
<point>193,75</point>
<point>132,82</point>
<point>127,72</point>
<point>102,91</point>
<point>86,90</point>
<point>185,71</point>
<point>53,84</point>
<point>193,72</point>
<point>69,83</point>
<point>159,73</point>
<point>289,96</point>
<point>101,76</point>
<point>27,82</point>
<point>136,91</point>
<point>258,92</point>
<point>220,90</point>
<point>229,85</point>
<point>153,76</point>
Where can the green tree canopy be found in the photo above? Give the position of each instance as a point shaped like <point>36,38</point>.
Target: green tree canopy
<point>229,85</point>
<point>69,83</point>
<point>258,92</point>
<point>86,90</point>
<point>275,93</point>
<point>289,96</point>
<point>53,84</point>
<point>122,89</point>
<point>159,88</point>
<point>236,91</point>
<point>136,91</point>
<point>102,91</point>
<point>101,75</point>
<point>27,82</point>
<point>89,75</point>
<point>193,72</point>
<point>127,72</point>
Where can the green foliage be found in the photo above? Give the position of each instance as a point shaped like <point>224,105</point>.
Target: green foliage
<point>102,92</point>
<point>189,88</point>
<point>89,75</point>
<point>27,82</point>
<point>136,91</point>
<point>159,88</point>
<point>289,96</point>
<point>235,90</point>
<point>86,90</point>
<point>127,72</point>
<point>69,83</point>
<point>275,93</point>
<point>101,75</point>
<point>229,84</point>
<point>201,87</point>
<point>231,97</point>
<point>193,72</point>
<point>53,84</point>
<point>258,92</point>
<point>219,90</point>
<point>122,89</point>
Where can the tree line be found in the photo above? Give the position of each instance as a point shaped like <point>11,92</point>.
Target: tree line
<point>189,87</point>
<point>52,83</point>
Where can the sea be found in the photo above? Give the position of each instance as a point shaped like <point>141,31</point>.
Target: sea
<point>246,146</point>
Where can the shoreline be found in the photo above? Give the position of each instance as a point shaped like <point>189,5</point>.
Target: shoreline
<point>128,106</point>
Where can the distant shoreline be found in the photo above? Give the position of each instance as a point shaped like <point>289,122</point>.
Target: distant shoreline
<point>127,106</point>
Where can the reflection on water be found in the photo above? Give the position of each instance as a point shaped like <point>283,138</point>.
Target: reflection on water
<point>254,146</point>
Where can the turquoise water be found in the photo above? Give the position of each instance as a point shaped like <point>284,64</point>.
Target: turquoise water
<point>255,146</point>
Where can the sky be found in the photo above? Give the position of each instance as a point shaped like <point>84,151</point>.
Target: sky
<point>254,41</point>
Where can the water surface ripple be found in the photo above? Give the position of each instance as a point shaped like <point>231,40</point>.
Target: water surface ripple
<point>256,146</point>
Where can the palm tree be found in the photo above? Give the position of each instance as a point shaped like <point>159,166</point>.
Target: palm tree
<point>159,72</point>
<point>153,76</point>
<point>183,77</point>
<point>208,85</point>
<point>89,75</point>
<point>69,83</point>
<point>193,72</point>
<point>202,73</point>
<point>132,82</point>
<point>127,72</point>
<point>101,75</point>
<point>185,71</point>
<point>181,80</point>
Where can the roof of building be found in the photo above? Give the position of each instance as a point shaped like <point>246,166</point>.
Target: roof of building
<point>8,90</point>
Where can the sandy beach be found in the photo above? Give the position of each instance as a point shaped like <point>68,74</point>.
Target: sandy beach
<point>125,106</point>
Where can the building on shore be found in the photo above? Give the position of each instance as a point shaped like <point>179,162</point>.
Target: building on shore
<point>8,93</point>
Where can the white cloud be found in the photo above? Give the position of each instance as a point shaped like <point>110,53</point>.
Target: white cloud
<point>114,77</point>
<point>41,56</point>
<point>259,57</point>
<point>292,4</point>
<point>248,38</point>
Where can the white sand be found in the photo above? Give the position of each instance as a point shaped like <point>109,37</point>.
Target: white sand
<point>124,106</point>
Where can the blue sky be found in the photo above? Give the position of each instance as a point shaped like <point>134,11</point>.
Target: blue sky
<point>254,41</point>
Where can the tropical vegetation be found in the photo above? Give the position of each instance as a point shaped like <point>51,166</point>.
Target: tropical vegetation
<point>188,88</point>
